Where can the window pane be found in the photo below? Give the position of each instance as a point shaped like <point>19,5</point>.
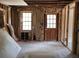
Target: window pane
<point>48,17</point>
<point>48,26</point>
<point>29,23</point>
<point>51,25</point>
<point>24,19</point>
<point>54,25</point>
<point>53,21</point>
<point>48,21</point>
<point>54,16</point>
<point>29,15</point>
<point>24,23</point>
<point>51,17</point>
<point>29,19</point>
<point>25,27</point>
<point>29,27</point>
<point>26,15</point>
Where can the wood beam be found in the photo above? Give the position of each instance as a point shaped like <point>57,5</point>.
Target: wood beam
<point>45,2</point>
<point>56,3</point>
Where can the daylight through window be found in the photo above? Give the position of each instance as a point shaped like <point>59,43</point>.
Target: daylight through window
<point>27,19</point>
<point>51,21</point>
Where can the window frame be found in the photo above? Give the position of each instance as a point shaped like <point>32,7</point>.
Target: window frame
<point>26,21</point>
<point>53,23</point>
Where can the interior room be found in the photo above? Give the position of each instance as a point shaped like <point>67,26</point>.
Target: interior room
<point>39,29</point>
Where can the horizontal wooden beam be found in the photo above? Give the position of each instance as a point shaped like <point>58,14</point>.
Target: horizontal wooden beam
<point>45,2</point>
<point>49,5</point>
<point>56,3</point>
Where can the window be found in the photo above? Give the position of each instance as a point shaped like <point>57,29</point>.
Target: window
<point>26,25</point>
<point>51,21</point>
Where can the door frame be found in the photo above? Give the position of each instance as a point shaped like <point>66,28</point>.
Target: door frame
<point>45,25</point>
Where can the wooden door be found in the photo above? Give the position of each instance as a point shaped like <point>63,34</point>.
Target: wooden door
<point>51,31</point>
<point>50,34</point>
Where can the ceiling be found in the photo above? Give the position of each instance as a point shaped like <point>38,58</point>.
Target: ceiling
<point>49,5</point>
<point>14,2</point>
<point>45,3</point>
<point>55,3</point>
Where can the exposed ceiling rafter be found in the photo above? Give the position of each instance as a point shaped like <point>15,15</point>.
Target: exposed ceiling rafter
<point>60,3</point>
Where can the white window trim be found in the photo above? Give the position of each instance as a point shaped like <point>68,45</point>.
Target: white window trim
<point>27,21</point>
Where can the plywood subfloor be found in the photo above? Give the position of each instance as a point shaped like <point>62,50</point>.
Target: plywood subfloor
<point>45,49</point>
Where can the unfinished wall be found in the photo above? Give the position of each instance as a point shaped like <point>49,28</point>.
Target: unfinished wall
<point>75,36</point>
<point>37,21</point>
<point>39,26</point>
<point>8,47</point>
<point>70,13</point>
<point>59,25</point>
<point>15,20</point>
<point>64,25</point>
<point>77,18</point>
<point>1,20</point>
<point>71,25</point>
<point>4,9</point>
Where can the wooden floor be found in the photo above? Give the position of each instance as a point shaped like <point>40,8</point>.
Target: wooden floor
<point>45,49</point>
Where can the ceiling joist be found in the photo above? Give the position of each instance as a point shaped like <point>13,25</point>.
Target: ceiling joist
<point>60,3</point>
